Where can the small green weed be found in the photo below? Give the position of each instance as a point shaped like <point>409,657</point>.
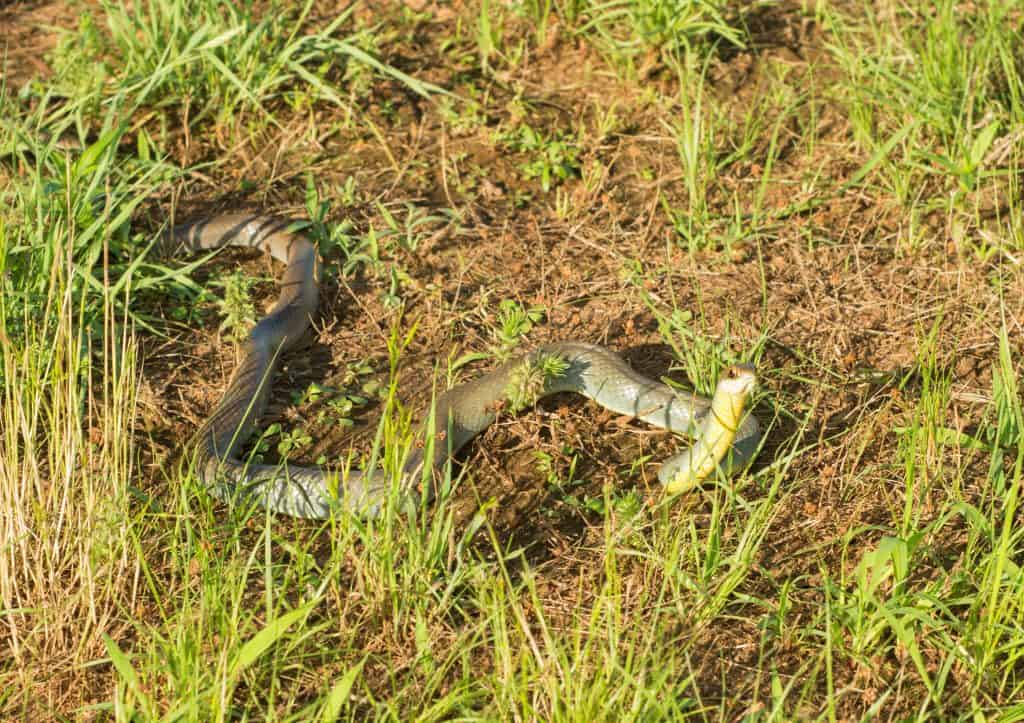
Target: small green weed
<point>529,379</point>
<point>553,158</point>
<point>338,403</point>
<point>236,306</point>
<point>515,322</point>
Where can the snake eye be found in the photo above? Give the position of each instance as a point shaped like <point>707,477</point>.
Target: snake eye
<point>732,373</point>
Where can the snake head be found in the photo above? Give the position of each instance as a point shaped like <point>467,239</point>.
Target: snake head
<point>738,381</point>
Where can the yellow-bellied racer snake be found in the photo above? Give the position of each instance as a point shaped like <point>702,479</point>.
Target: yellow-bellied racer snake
<point>725,436</point>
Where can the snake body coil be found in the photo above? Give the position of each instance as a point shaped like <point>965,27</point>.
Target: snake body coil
<point>724,437</point>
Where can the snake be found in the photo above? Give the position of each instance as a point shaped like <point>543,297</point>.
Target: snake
<point>725,437</point>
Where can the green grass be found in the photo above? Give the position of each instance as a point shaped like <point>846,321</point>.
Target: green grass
<point>945,88</point>
<point>849,221</point>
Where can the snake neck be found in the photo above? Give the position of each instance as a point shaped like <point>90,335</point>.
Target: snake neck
<point>713,440</point>
<point>723,420</point>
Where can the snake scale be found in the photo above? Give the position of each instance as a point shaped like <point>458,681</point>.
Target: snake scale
<point>724,435</point>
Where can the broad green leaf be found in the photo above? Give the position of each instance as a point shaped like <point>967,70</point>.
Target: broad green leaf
<point>339,694</point>
<point>982,143</point>
<point>258,644</point>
